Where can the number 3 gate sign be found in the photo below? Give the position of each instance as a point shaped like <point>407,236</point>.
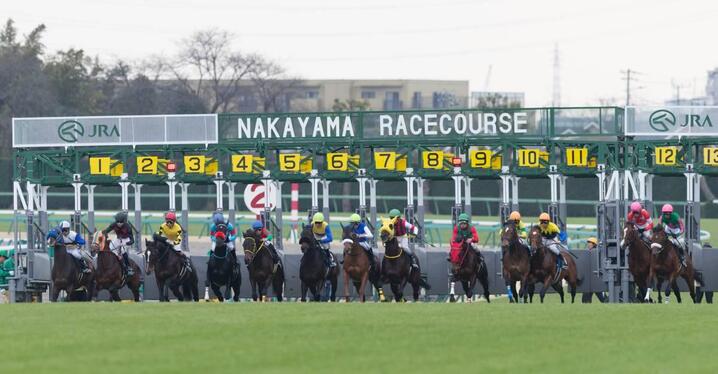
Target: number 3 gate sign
<point>254,196</point>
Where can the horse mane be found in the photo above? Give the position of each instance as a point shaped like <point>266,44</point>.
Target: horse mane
<point>658,227</point>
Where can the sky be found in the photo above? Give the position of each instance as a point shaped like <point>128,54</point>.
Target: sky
<point>668,44</point>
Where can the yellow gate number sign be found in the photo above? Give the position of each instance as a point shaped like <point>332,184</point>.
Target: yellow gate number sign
<point>529,158</point>
<point>432,159</point>
<point>290,162</point>
<point>710,156</point>
<point>481,158</point>
<point>100,165</point>
<point>338,161</point>
<point>577,157</point>
<point>385,160</point>
<point>666,156</point>
<point>242,163</point>
<point>194,164</point>
<point>147,164</point>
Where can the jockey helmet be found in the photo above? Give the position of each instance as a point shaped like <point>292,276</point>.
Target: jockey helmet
<point>592,240</point>
<point>171,216</point>
<point>544,217</point>
<point>217,218</point>
<point>515,216</point>
<point>64,225</point>
<point>355,218</point>
<point>636,207</point>
<point>394,213</point>
<point>318,217</point>
<point>121,217</point>
<point>463,217</point>
<point>257,225</point>
<point>668,208</point>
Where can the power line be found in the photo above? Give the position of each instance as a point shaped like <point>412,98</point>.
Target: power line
<point>628,78</point>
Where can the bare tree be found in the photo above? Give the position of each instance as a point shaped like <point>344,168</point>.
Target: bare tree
<point>208,67</point>
<point>271,84</point>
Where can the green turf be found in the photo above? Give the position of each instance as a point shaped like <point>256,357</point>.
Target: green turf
<point>335,338</point>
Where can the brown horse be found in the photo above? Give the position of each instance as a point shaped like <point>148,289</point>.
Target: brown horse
<point>639,256</point>
<point>66,275</point>
<point>396,266</point>
<point>260,266</point>
<point>356,267</point>
<point>543,267</point>
<point>516,264</point>
<point>666,266</point>
<point>110,275</point>
<point>470,269</point>
<point>313,270</point>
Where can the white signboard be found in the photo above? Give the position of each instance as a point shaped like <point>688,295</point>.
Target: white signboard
<point>254,196</point>
<point>114,130</point>
<point>667,121</point>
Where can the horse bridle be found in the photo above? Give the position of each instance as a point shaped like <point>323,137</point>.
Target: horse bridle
<point>255,251</point>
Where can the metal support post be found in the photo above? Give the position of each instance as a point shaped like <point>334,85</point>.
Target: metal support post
<point>124,187</point>
<point>138,215</point>
<point>77,213</point>
<point>278,219</point>
<point>420,210</point>
<point>325,198</point>
<point>184,187</point>
<point>362,179</point>
<point>232,203</point>
<point>372,207</point>
<point>30,216</point>
<point>467,195</point>
<point>692,211</point>
<point>219,193</point>
<point>91,207</point>
<point>505,195</point>
<point>42,211</point>
<point>314,181</point>
<point>172,184</point>
<point>409,212</point>
<point>458,206</point>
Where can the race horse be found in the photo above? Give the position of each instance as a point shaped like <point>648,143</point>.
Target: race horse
<point>396,266</point>
<point>543,267</point>
<point>469,268</point>
<point>313,271</point>
<point>516,263</point>
<point>170,270</point>
<point>639,257</point>
<point>68,276</point>
<point>666,266</point>
<point>261,267</point>
<point>223,270</point>
<point>110,275</point>
<point>356,267</point>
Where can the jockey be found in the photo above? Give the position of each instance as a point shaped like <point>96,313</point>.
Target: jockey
<point>7,268</point>
<point>124,238</point>
<point>591,243</point>
<point>464,232</point>
<point>323,234</point>
<point>673,226</point>
<point>551,234</point>
<point>401,227</point>
<point>73,242</point>
<point>362,234</point>
<point>172,230</point>
<point>640,217</point>
<point>515,217</point>
<point>226,228</point>
<point>266,236</point>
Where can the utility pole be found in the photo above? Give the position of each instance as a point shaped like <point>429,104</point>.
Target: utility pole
<point>628,76</point>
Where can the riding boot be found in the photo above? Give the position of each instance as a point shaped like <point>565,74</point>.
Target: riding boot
<point>414,261</point>
<point>126,263</point>
<point>275,259</point>
<point>83,266</point>
<point>560,263</point>
<point>682,256</point>
<point>329,259</point>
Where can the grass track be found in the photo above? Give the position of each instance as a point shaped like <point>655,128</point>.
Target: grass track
<point>389,338</point>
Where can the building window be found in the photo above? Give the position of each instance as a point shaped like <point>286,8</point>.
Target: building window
<point>312,94</point>
<point>368,94</point>
<point>416,100</point>
<point>391,101</point>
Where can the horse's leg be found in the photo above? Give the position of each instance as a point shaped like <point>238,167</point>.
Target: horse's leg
<point>468,292</point>
<point>416,288</point>
<point>531,289</point>
<point>254,288</point>
<point>395,291</point>
<point>651,274</point>
<point>333,281</point>
<point>362,286</point>
<point>278,284</point>
<point>676,290</point>
<point>54,294</point>
<point>115,295</point>
<point>512,286</point>
<point>346,286</point>
<point>305,288</point>
<point>690,280</point>
<point>484,280</point>
<point>217,291</point>
<point>228,287</point>
<point>559,289</point>
<point>546,284</point>
<point>659,283</point>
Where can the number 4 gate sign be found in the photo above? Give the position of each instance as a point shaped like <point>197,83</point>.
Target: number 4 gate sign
<point>254,196</point>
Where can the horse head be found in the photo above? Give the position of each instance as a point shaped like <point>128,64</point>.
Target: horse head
<point>386,232</point>
<point>509,235</point>
<point>659,239</point>
<point>250,244</point>
<point>535,238</point>
<point>155,250</point>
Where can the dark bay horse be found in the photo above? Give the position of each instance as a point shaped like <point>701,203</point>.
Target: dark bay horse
<point>356,267</point>
<point>470,269</point>
<point>223,271</point>
<point>639,257</point>
<point>666,266</point>
<point>313,271</point>
<point>543,267</point>
<point>396,265</point>
<point>67,276</point>
<point>170,270</point>
<point>110,275</point>
<point>516,262</point>
<point>260,265</point>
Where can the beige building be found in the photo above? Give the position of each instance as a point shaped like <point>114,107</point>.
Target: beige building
<point>327,95</point>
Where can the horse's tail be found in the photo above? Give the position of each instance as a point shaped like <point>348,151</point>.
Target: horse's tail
<point>423,283</point>
<point>698,276</point>
<point>579,281</point>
